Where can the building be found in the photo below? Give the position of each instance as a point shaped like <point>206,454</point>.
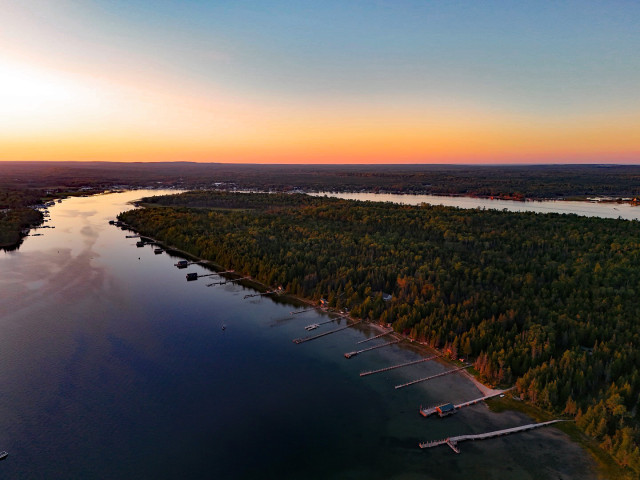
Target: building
<point>445,409</point>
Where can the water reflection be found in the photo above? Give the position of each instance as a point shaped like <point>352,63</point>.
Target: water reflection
<point>624,211</point>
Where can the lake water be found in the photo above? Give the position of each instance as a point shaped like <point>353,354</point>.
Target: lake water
<point>624,211</point>
<point>113,366</point>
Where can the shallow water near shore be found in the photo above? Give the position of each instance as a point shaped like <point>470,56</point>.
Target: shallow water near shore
<point>112,365</point>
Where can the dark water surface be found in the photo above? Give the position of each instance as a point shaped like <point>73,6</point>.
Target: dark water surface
<point>112,366</point>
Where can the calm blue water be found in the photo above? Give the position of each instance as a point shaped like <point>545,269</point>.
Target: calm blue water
<point>112,366</point>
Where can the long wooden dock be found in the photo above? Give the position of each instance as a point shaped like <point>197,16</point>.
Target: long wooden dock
<point>251,295</point>
<point>214,274</point>
<point>331,320</point>
<point>448,372</point>
<point>393,367</point>
<point>453,441</point>
<point>224,282</point>
<point>353,354</point>
<point>308,339</point>
<point>373,338</point>
<point>297,312</point>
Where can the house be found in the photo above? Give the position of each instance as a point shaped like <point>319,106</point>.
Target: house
<point>445,409</point>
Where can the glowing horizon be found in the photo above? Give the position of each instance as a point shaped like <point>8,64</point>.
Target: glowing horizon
<point>369,83</point>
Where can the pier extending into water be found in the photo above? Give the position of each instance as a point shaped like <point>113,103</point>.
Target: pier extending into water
<point>453,441</point>
<point>224,282</point>
<point>308,339</point>
<point>393,367</point>
<point>353,354</point>
<point>373,338</point>
<point>427,412</point>
<point>448,372</point>
<point>313,326</point>
<point>251,295</point>
<point>297,312</point>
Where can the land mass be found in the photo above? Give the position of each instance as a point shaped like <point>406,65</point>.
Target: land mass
<point>514,182</point>
<point>545,302</point>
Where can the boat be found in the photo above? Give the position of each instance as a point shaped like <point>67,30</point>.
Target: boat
<point>192,276</point>
<point>140,244</point>
<point>224,327</point>
<point>313,326</point>
<point>157,251</point>
<point>182,264</point>
<point>3,455</point>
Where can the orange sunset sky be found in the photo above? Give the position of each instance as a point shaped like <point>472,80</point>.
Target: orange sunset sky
<point>320,82</point>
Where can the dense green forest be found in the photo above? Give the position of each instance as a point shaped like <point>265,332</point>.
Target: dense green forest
<point>13,221</point>
<point>548,302</point>
<point>15,214</point>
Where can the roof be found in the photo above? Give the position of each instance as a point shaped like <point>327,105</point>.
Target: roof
<point>447,407</point>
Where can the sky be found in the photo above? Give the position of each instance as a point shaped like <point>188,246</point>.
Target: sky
<point>331,81</point>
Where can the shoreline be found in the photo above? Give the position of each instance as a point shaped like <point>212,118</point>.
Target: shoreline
<point>415,345</point>
<point>420,346</point>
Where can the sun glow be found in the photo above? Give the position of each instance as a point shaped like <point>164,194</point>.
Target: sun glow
<point>37,99</point>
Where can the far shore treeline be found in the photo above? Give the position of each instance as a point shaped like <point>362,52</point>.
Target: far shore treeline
<point>548,302</point>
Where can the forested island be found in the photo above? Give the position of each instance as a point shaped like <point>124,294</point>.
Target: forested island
<point>548,302</point>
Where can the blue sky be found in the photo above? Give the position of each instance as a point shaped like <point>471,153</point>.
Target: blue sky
<point>531,62</point>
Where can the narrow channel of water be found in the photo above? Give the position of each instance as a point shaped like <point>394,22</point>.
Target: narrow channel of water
<point>624,211</point>
<point>112,365</point>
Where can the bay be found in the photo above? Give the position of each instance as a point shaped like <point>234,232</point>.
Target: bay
<point>112,365</point>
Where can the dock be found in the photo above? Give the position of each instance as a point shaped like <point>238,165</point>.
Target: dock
<point>426,412</point>
<point>251,295</point>
<point>224,282</point>
<point>308,339</point>
<point>357,352</point>
<point>211,274</point>
<point>373,338</point>
<point>393,367</point>
<point>452,442</point>
<point>302,311</point>
<point>323,323</point>
<point>448,372</point>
